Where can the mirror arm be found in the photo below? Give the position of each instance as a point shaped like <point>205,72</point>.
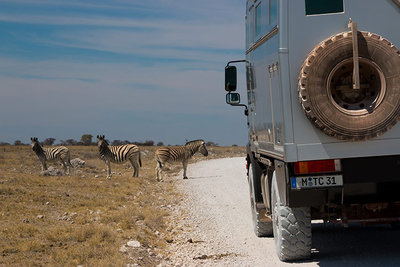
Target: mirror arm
<point>236,61</point>
<point>246,110</point>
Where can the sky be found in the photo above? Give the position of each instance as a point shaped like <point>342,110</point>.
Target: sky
<point>127,69</point>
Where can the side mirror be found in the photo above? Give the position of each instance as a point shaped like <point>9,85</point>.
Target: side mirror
<point>230,78</point>
<point>232,98</point>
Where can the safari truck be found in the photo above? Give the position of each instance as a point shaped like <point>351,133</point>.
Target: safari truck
<point>323,101</point>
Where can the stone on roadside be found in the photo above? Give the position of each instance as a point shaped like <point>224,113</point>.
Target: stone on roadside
<point>123,249</point>
<point>133,244</point>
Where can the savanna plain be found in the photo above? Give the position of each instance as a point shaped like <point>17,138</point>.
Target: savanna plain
<point>83,218</point>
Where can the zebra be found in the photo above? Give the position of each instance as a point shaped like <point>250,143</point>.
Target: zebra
<point>119,154</point>
<point>178,153</point>
<point>51,154</point>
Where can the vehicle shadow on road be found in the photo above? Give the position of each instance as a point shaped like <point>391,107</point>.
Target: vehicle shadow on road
<point>357,245</point>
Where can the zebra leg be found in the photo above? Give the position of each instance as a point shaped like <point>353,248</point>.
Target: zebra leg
<point>44,167</point>
<point>108,169</point>
<point>69,165</point>
<point>135,166</point>
<point>65,166</point>
<point>185,163</point>
<point>159,171</point>
<point>68,162</point>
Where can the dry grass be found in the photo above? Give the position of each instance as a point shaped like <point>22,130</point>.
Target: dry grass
<point>84,219</point>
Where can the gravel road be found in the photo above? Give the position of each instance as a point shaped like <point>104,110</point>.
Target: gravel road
<point>216,227</point>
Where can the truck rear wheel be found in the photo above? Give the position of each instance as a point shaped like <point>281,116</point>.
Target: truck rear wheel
<point>326,89</point>
<point>261,228</point>
<point>292,229</point>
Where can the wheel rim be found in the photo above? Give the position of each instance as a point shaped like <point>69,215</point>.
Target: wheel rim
<point>356,101</point>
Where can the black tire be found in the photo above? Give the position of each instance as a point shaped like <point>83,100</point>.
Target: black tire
<point>325,87</point>
<point>261,229</point>
<point>395,225</point>
<point>292,229</point>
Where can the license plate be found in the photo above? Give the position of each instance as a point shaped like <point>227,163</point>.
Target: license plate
<point>306,182</point>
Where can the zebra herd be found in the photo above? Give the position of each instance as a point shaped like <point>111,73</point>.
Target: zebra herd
<point>121,154</point>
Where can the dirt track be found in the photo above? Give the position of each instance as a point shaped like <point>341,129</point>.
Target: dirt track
<point>216,229</point>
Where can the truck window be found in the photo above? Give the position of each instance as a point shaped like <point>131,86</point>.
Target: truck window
<point>250,25</point>
<point>261,18</point>
<point>318,7</point>
<point>273,11</point>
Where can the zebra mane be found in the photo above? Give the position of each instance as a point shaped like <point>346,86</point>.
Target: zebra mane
<point>193,146</point>
<point>194,142</point>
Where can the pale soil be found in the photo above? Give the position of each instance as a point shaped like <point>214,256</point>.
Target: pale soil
<point>216,228</point>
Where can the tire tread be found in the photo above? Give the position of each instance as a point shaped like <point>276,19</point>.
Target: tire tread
<point>308,109</point>
<point>296,233</point>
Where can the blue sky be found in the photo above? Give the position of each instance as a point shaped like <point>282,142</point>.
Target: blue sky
<point>131,70</point>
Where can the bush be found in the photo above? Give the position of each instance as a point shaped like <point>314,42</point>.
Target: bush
<point>146,143</point>
<point>18,143</point>
<point>211,144</point>
<point>86,139</point>
<point>69,142</point>
<point>48,141</point>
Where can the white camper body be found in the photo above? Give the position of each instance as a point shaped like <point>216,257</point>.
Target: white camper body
<point>323,89</point>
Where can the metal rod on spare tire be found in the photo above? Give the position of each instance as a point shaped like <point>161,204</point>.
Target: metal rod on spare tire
<point>356,69</point>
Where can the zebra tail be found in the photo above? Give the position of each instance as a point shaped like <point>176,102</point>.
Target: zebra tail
<point>140,160</point>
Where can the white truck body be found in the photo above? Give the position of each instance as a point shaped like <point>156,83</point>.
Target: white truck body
<point>323,101</point>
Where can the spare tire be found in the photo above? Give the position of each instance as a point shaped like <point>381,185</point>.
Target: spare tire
<point>327,96</point>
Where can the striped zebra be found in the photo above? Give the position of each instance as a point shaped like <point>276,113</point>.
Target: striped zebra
<point>119,154</point>
<point>51,154</point>
<point>178,153</point>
